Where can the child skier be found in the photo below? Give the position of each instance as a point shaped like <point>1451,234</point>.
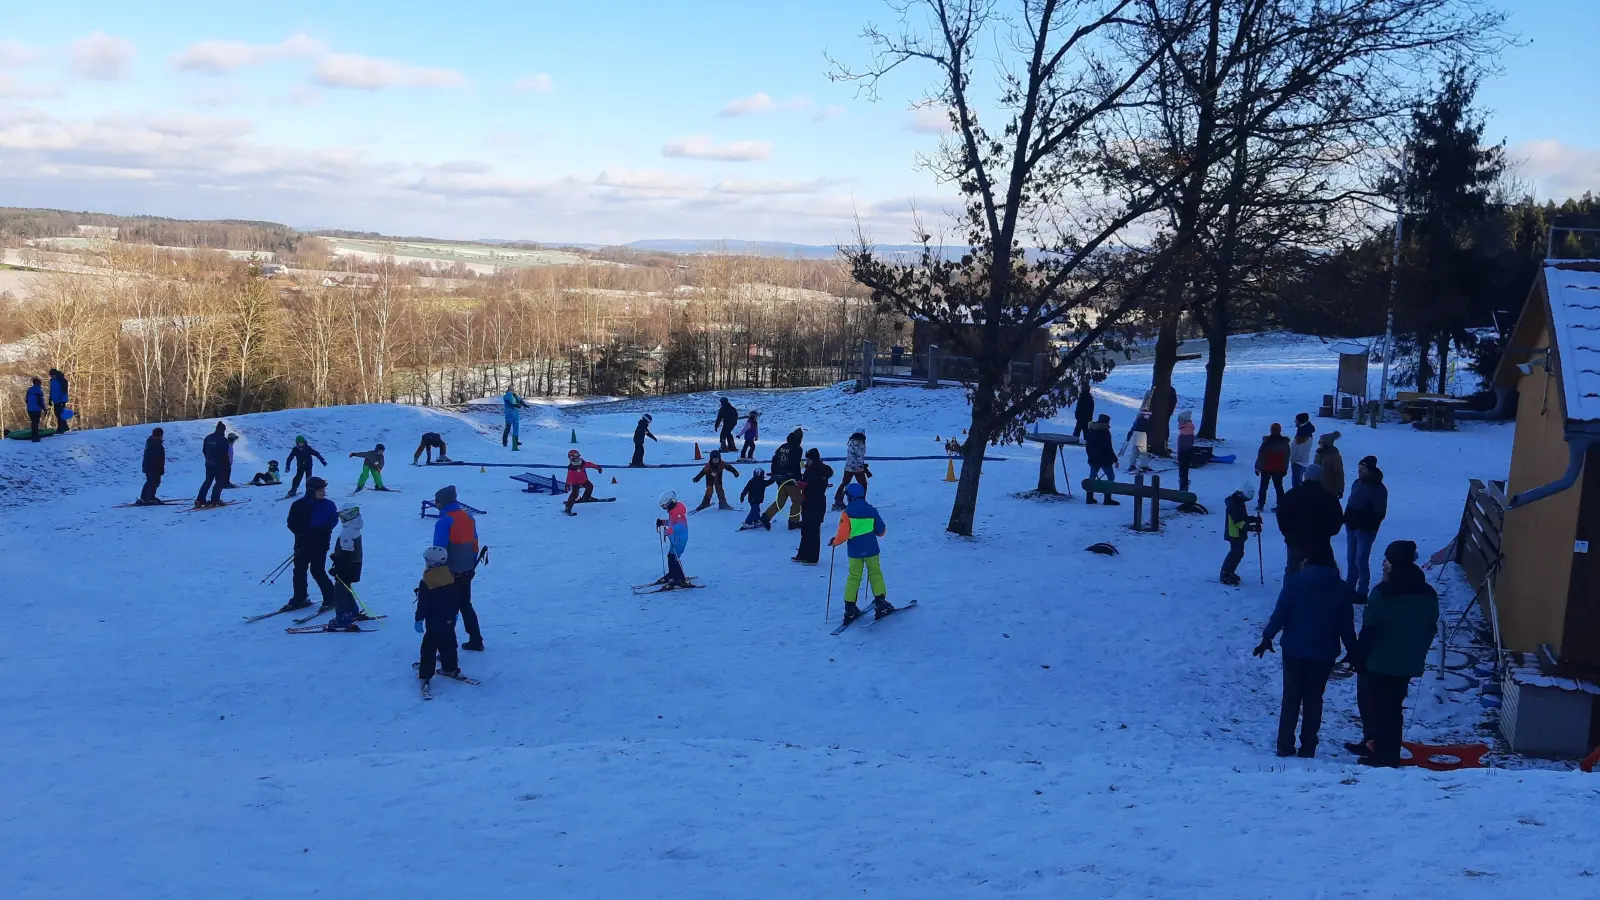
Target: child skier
<point>371,466</point>
<point>675,529</point>
<point>712,473</point>
<point>269,477</point>
<point>438,603</point>
<point>578,480</point>
<point>431,441</point>
<point>751,432</point>
<point>855,467</point>
<point>860,526</point>
<point>301,456</point>
<point>1238,528</point>
<point>755,490</point>
<point>346,570</point>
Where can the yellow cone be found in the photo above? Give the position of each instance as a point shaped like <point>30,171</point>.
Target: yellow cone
<point>950,470</point>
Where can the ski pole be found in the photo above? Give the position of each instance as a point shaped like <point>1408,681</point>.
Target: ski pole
<point>833,557</point>
<point>1261,562</point>
<point>272,576</point>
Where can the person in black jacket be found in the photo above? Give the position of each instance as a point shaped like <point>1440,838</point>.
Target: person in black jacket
<point>438,604</point>
<point>1308,517</point>
<point>1369,504</point>
<point>215,449</point>
<point>1102,456</point>
<point>755,490</point>
<point>1083,412</point>
<point>155,466</point>
<point>311,520</point>
<point>640,432</point>
<point>786,461</point>
<point>301,456</point>
<point>346,570</point>
<point>813,506</point>
<point>727,419</point>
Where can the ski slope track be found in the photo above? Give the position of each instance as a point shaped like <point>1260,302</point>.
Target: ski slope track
<point>1051,723</point>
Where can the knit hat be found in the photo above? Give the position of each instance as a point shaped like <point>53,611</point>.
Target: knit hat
<point>1313,473</point>
<point>444,495</point>
<point>315,484</point>
<point>1328,438</point>
<point>1302,418</point>
<point>1104,419</point>
<point>1401,553</point>
<point>1277,429</point>
<point>1370,462</point>
<point>855,491</point>
<point>1185,416</point>
<point>299,439</point>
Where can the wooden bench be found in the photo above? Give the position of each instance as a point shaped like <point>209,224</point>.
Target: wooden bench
<point>541,484</point>
<point>1141,492</point>
<point>428,505</point>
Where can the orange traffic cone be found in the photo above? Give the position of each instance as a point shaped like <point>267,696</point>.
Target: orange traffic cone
<point>482,470</point>
<point>697,450</point>
<point>950,470</point>
<point>937,439</point>
<point>613,479</point>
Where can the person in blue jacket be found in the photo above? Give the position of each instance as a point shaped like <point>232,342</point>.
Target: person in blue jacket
<point>216,450</point>
<point>860,526</point>
<point>58,399</point>
<point>311,520</point>
<point>1316,614</point>
<point>514,406</point>
<point>35,403</point>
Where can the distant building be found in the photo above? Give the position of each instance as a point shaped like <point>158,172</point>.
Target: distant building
<point>274,270</point>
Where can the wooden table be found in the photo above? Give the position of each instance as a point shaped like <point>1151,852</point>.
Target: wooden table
<point>1051,443</point>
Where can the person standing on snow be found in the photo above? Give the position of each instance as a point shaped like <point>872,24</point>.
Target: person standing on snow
<point>301,456</point>
<point>1363,515</point>
<point>346,570</point>
<point>640,432</point>
<point>34,401</point>
<point>1102,458</point>
<point>1308,518</point>
<point>215,450</point>
<point>155,466</point>
<point>751,432</point>
<point>755,490</point>
<point>431,441</point>
<point>457,532</point>
<point>1139,438</point>
<point>727,420</point>
<point>1397,630</point>
<point>438,603</point>
<point>58,399</point>
<point>227,480</point>
<point>855,467</point>
<point>860,526</point>
<point>1315,614</point>
<point>1237,529</point>
<point>712,473</point>
<point>578,480</point>
<point>1272,463</point>
<point>1185,448</point>
<point>1332,463</point>
<point>371,466</point>
<point>514,406</point>
<point>1083,411</point>
<point>786,462</point>
<point>813,505</point>
<point>1300,452</point>
<point>311,520</point>
<point>675,529</point>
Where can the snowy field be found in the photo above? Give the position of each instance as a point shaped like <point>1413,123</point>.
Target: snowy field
<point>1049,723</point>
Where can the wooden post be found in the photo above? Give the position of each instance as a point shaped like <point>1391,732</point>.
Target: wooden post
<point>1155,503</point>
<point>933,365</point>
<point>1138,503</point>
<point>869,354</point>
<point>1047,468</point>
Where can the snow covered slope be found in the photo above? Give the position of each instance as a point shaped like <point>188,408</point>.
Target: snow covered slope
<point>1048,723</point>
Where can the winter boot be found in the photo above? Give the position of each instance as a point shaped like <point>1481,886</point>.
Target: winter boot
<point>473,644</point>
<point>516,445</point>
<point>881,607</point>
<point>1360,749</point>
<point>722,506</point>
<point>327,606</point>
<point>1111,501</point>
<point>294,604</point>
<point>851,612</point>
<point>1090,500</point>
<point>838,505</point>
<point>335,626</point>
<point>705,505</point>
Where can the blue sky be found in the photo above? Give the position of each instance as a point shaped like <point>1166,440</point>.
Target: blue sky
<point>604,121</point>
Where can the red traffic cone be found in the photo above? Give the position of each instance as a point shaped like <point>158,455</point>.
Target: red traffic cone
<point>697,450</point>
<point>613,479</point>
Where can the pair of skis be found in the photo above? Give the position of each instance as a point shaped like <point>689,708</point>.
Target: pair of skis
<point>875,618</point>
<point>427,689</point>
<point>661,587</point>
<point>202,508</point>
<point>157,503</point>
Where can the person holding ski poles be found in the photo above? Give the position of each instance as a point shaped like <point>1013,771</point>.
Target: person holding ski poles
<point>1238,528</point>
<point>311,520</point>
<point>301,456</point>
<point>578,479</point>
<point>514,406</point>
<point>346,570</point>
<point>860,526</point>
<point>675,530</point>
<point>813,506</point>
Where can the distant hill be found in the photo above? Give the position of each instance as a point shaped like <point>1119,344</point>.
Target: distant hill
<point>769,248</point>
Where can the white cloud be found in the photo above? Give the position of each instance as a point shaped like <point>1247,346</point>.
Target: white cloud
<point>14,55</point>
<point>101,57</point>
<point>769,187</point>
<point>648,182</point>
<point>761,102</point>
<point>828,114</point>
<point>930,120</point>
<point>699,146</point>
<point>15,89</point>
<point>226,57</point>
<point>537,84</point>
<point>351,70</point>
<point>1558,171</point>
<point>304,95</point>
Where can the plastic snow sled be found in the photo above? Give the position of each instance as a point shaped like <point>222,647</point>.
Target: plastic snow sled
<point>537,484</point>
<point>1129,489</point>
<point>1444,757</point>
<point>26,434</point>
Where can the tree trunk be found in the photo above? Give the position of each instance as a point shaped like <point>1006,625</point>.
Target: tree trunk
<point>1161,393</point>
<point>1216,365</point>
<point>1442,344</point>
<point>965,508</point>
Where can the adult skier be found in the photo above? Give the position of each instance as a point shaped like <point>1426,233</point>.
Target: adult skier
<point>34,401</point>
<point>727,419</point>
<point>346,570</point>
<point>675,530</point>
<point>311,520</point>
<point>751,432</point>
<point>786,461</point>
<point>215,450</point>
<point>640,432</point>
<point>860,526</point>
<point>155,466</point>
<point>457,532</point>
<point>438,602</point>
<point>58,399</point>
<point>578,479</point>
<point>813,505</point>
<point>712,473</point>
<point>301,456</point>
<point>1083,411</point>
<point>371,465</point>
<point>755,490</point>
<point>855,467</point>
<point>514,406</point>
<point>431,441</point>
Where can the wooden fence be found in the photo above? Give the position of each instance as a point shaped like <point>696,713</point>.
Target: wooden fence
<point>1478,539</point>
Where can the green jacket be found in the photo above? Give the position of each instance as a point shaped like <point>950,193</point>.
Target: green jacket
<point>1400,622</point>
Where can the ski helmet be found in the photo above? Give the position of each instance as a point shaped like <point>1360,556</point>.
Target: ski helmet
<point>649,418</point>
<point>349,513</point>
<point>759,473</point>
<point>668,498</point>
<point>380,448</point>
<point>855,491</point>
<point>435,556</point>
<point>573,454</point>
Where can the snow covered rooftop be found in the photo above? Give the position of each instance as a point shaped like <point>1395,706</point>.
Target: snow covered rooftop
<point>1575,322</point>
